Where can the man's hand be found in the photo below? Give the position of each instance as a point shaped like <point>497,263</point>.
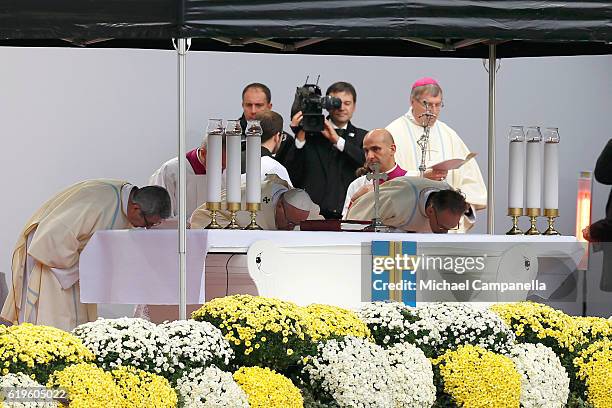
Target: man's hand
<point>364,189</point>
<point>329,132</point>
<point>586,234</point>
<point>295,122</point>
<point>437,175</point>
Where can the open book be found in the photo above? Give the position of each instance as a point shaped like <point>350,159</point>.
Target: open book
<point>453,164</point>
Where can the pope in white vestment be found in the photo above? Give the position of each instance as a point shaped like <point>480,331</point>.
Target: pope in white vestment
<point>45,287</point>
<point>402,201</point>
<point>444,144</point>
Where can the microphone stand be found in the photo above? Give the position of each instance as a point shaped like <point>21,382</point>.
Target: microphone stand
<point>423,141</point>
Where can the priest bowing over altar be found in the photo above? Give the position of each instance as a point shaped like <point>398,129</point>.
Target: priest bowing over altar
<point>422,141</point>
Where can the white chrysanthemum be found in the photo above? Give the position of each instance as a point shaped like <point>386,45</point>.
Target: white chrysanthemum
<point>210,388</point>
<point>544,381</point>
<point>394,322</point>
<point>20,383</point>
<point>352,371</point>
<point>196,344</point>
<point>457,324</point>
<point>411,377</point>
<point>126,341</point>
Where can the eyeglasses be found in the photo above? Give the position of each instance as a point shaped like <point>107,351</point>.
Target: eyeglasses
<point>434,106</point>
<point>441,227</point>
<point>147,223</point>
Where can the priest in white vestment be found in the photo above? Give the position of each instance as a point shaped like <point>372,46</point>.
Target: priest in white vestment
<point>167,177</point>
<point>282,207</point>
<point>45,267</point>
<point>444,144</point>
<point>413,204</point>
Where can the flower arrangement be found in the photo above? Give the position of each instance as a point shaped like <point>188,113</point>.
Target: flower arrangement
<point>88,386</point>
<point>349,372</point>
<point>477,378</point>
<point>140,389</point>
<point>39,350</point>
<point>394,322</point>
<point>411,377</point>
<point>544,381</point>
<point>195,344</point>
<point>457,324</point>
<point>267,389</point>
<point>594,364</point>
<point>210,388</point>
<point>21,381</point>
<point>326,322</point>
<point>537,323</point>
<point>261,331</point>
<point>127,341</point>
<point>594,328</point>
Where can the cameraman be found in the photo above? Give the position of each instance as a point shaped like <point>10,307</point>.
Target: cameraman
<point>324,163</point>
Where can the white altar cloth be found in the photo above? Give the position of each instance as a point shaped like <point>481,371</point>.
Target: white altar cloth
<point>141,266</point>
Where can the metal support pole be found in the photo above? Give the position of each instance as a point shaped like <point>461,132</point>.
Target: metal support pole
<point>182,180</point>
<point>491,150</point>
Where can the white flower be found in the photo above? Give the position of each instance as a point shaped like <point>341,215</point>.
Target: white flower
<point>210,388</point>
<point>18,383</point>
<point>411,377</point>
<point>544,381</point>
<point>352,371</point>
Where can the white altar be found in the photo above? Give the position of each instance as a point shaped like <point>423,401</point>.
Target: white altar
<point>141,266</point>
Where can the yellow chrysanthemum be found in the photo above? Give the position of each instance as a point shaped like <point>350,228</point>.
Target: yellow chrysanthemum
<point>267,389</point>
<point>88,386</point>
<point>594,365</point>
<point>141,389</point>
<point>326,321</point>
<point>477,378</point>
<point>39,350</point>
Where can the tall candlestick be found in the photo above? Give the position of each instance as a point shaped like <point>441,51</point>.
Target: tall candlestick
<point>233,133</point>
<point>551,168</point>
<point>213,165</point>
<point>534,168</point>
<point>516,171</point>
<point>253,176</point>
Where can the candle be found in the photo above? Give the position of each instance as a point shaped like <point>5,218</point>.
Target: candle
<point>534,168</point>
<point>516,171</point>
<point>551,168</point>
<point>253,175</point>
<point>213,166</point>
<point>233,134</point>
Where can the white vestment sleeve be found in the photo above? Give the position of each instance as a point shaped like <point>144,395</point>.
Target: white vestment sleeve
<point>67,277</point>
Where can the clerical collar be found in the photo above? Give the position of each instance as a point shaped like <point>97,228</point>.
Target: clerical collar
<point>126,190</point>
<point>392,169</point>
<point>336,127</point>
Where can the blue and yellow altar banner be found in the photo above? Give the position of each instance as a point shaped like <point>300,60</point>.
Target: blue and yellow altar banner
<point>393,271</point>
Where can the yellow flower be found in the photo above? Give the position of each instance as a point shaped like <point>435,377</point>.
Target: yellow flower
<point>140,389</point>
<point>267,389</point>
<point>325,321</point>
<point>594,365</point>
<point>477,378</point>
<point>87,386</point>
<point>289,352</point>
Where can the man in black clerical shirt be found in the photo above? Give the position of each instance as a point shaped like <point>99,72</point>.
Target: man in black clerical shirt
<point>324,163</point>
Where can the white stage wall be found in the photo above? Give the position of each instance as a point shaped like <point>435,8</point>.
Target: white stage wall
<point>73,114</point>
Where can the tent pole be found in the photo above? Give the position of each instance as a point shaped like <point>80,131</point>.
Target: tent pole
<point>491,147</point>
<point>182,181</point>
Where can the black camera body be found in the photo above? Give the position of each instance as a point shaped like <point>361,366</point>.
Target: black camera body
<point>309,100</point>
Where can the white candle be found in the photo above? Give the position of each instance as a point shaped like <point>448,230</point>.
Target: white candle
<point>213,168</point>
<point>233,168</point>
<point>534,175</point>
<point>516,174</point>
<point>253,175</point>
<point>551,175</point>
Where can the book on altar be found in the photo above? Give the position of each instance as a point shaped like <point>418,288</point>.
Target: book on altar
<point>452,164</point>
<point>334,225</point>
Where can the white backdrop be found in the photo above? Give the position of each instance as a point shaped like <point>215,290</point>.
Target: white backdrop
<point>73,114</point>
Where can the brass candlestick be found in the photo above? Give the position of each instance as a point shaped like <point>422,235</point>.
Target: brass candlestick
<point>233,209</point>
<point>533,214</point>
<point>253,208</point>
<point>515,213</point>
<point>551,214</point>
<point>213,208</point>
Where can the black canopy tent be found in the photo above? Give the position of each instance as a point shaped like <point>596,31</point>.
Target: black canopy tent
<point>426,28</point>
